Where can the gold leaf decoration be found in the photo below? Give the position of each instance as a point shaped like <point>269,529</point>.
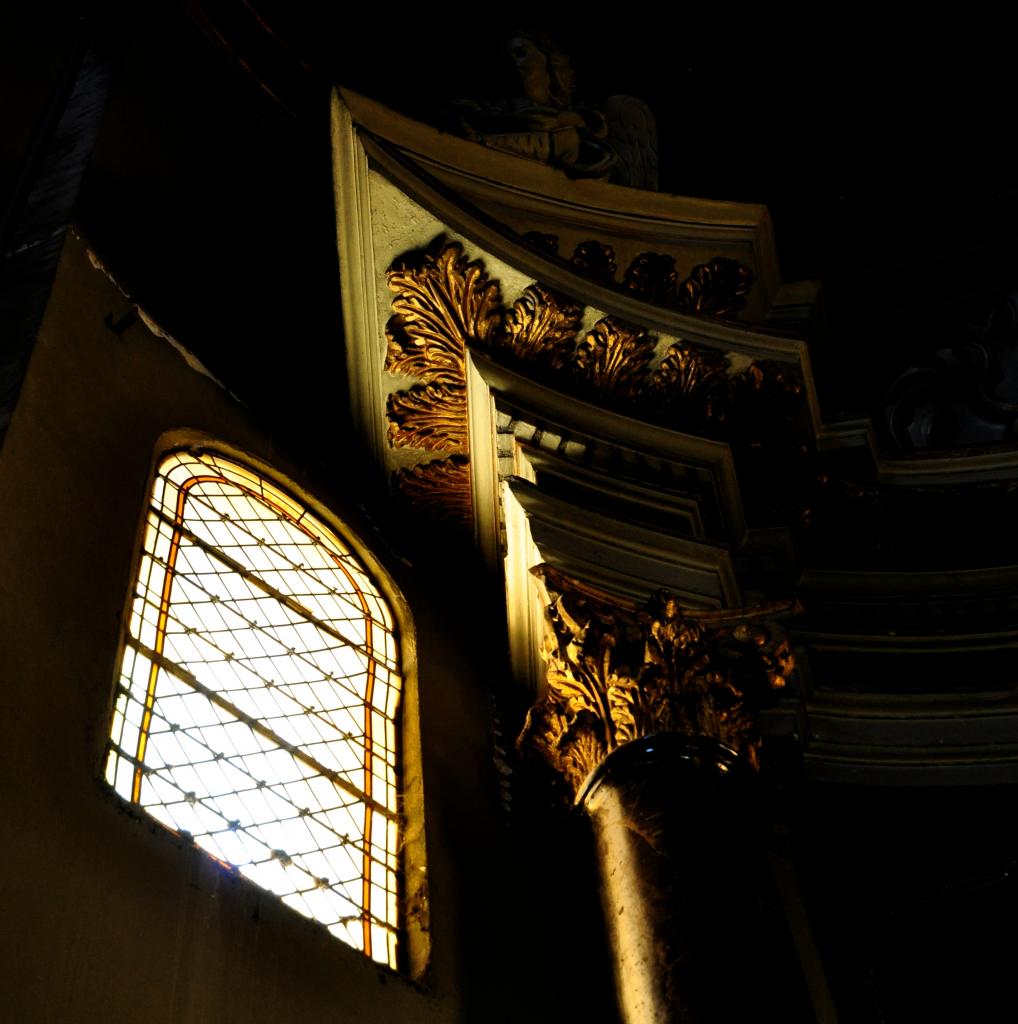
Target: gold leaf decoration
<point>617,672</point>
<point>653,275</point>
<point>439,490</point>
<point>689,383</point>
<point>719,287</point>
<point>612,359</point>
<point>596,259</point>
<point>430,416</point>
<point>541,327</point>
<point>443,302</point>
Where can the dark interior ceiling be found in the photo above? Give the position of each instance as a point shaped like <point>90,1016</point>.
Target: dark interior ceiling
<point>887,167</point>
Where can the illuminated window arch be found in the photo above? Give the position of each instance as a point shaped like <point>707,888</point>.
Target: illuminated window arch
<point>257,696</point>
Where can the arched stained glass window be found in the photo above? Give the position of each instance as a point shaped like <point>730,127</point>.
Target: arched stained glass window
<point>257,697</point>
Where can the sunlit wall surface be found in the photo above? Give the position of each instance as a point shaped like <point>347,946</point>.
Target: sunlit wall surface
<point>257,697</point>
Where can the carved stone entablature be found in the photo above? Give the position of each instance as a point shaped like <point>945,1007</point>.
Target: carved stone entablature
<point>499,201</point>
<point>691,389</point>
<point>617,672</point>
<point>444,304</point>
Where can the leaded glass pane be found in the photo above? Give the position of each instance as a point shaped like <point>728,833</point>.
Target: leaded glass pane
<point>257,696</point>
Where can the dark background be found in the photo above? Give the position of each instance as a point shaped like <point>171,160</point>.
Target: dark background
<point>884,156</point>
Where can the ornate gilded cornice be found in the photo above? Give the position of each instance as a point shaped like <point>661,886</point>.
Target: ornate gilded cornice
<point>445,303</point>
<point>617,672</point>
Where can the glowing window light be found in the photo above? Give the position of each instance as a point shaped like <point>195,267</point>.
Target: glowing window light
<point>257,697</point>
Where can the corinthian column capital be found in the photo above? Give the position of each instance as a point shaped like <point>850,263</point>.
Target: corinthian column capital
<point>618,671</point>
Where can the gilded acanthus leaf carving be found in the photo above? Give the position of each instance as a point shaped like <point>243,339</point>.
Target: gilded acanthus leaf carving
<point>719,287</point>
<point>772,386</point>
<point>541,327</point>
<point>613,358</point>
<point>443,302</point>
<point>617,672</point>
<point>439,490</point>
<point>596,259</point>
<point>653,275</point>
<point>429,416</point>
<point>687,382</point>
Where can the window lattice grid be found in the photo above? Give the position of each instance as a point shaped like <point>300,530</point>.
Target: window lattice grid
<point>257,699</point>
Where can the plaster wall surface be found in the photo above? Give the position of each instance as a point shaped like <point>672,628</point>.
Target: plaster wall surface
<point>106,914</point>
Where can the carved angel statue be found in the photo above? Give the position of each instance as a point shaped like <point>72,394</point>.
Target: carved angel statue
<point>546,123</point>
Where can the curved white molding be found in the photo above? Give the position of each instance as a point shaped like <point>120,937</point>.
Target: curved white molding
<point>527,194</point>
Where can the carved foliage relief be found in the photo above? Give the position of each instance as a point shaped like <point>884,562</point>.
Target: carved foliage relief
<point>443,303</point>
<point>541,328</point>
<point>617,672</point>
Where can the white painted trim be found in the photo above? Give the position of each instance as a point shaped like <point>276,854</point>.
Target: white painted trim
<point>486,176</point>
<point>484,482</point>
<point>525,597</point>
<point>355,237</point>
<point>624,558</point>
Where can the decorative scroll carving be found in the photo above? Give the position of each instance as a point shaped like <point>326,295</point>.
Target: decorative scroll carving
<point>439,490</point>
<point>618,672</point>
<point>613,359</point>
<point>429,416</point>
<point>719,288</point>
<point>541,327</point>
